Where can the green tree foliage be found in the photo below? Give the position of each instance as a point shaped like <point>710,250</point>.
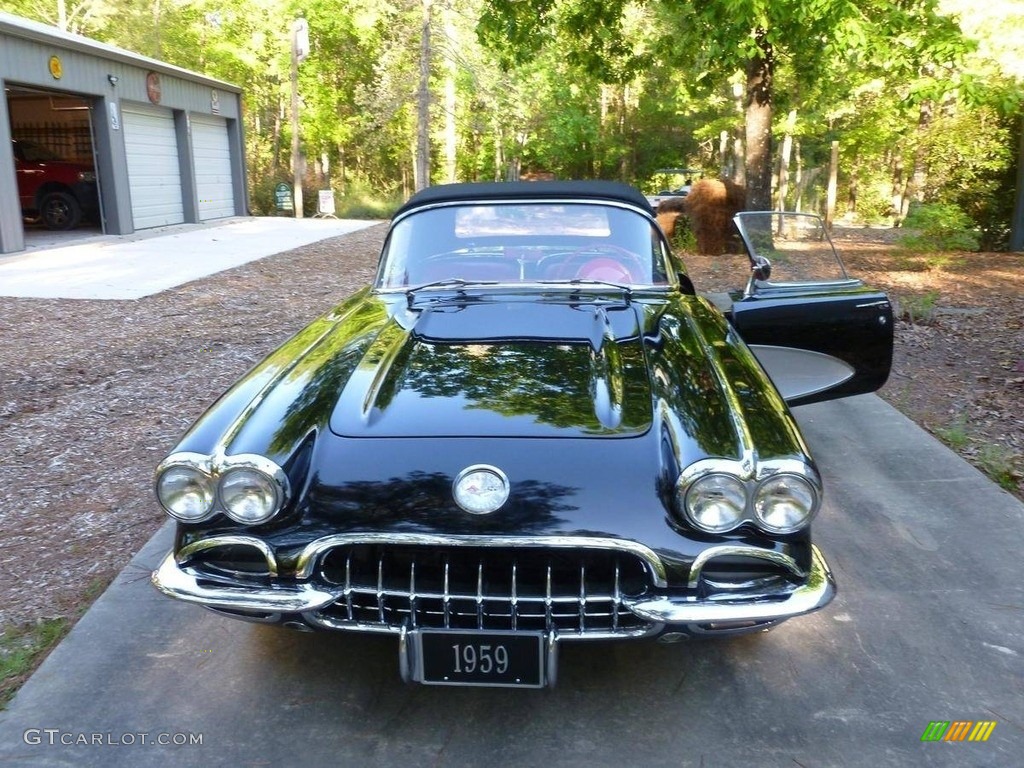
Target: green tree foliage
<point>712,39</point>
<point>612,89</point>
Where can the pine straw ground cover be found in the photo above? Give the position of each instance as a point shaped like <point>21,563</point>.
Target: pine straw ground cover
<point>94,393</point>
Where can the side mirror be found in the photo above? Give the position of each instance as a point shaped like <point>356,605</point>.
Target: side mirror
<point>762,269</point>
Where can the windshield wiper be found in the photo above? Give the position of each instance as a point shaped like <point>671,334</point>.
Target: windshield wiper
<point>456,282</point>
<point>579,281</point>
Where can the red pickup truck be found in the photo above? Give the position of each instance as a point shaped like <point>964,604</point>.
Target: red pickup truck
<point>59,192</point>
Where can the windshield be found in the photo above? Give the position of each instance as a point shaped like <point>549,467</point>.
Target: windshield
<point>33,153</point>
<point>795,244</point>
<point>523,243</point>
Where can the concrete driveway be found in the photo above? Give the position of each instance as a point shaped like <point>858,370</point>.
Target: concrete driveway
<point>928,626</point>
<point>153,260</point>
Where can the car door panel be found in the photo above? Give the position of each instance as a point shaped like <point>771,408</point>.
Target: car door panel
<point>816,339</point>
<point>819,347</point>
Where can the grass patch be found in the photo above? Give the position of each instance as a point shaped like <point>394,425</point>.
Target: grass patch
<point>920,309</point>
<point>1002,465</point>
<point>23,648</point>
<point>954,435</point>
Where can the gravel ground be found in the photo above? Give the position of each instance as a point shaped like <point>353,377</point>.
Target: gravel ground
<point>94,393</point>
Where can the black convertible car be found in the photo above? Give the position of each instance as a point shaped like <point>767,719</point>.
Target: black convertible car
<point>531,429</point>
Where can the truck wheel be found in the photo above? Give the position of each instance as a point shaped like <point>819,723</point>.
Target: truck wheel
<point>59,210</point>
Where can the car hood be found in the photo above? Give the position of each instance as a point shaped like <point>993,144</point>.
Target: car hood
<point>500,368</point>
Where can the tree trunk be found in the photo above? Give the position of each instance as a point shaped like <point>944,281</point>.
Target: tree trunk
<point>1017,226</point>
<point>833,179</point>
<point>758,107</point>
<point>897,190</point>
<point>739,162</point>
<point>723,154</point>
<point>422,165</point>
<point>798,206</point>
<point>919,173</point>
<point>787,155</point>
<point>450,106</point>
<point>297,165</point>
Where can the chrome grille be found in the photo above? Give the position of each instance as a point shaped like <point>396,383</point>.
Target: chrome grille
<point>576,592</point>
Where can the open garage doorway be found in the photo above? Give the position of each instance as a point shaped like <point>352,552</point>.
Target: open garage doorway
<point>55,163</point>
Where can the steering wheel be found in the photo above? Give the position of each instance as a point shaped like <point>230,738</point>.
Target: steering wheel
<point>604,261</point>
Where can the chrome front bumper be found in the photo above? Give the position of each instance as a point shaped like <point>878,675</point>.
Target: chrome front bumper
<point>661,612</point>
<point>815,593</point>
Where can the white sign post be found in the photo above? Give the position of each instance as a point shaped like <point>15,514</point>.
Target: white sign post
<point>325,205</point>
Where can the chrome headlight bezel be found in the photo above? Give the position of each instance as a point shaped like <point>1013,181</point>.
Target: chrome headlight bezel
<point>217,469</point>
<point>756,478</point>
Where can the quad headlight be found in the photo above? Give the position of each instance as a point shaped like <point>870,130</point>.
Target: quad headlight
<point>716,503</point>
<point>186,492</point>
<point>248,495</point>
<point>247,488</point>
<point>784,503</point>
<point>718,495</point>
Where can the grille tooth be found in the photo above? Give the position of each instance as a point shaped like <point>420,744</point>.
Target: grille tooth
<point>515,597</point>
<point>548,601</point>
<point>573,592</point>
<point>480,595</point>
<point>617,598</point>
<point>348,586</point>
<point>447,597</point>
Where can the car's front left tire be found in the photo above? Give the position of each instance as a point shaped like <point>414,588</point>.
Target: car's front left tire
<point>59,211</point>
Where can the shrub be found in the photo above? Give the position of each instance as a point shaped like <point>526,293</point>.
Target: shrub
<point>939,227</point>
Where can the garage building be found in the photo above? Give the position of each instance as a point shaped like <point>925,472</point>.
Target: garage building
<point>93,135</point>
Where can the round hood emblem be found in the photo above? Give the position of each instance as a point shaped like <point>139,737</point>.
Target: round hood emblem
<point>480,489</point>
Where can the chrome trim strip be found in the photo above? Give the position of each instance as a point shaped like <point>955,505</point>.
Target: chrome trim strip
<point>183,584</point>
<point>816,593</point>
<point>311,554</point>
<point>727,550</point>
<point>186,552</point>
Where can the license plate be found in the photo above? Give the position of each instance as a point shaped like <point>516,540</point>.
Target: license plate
<point>502,659</point>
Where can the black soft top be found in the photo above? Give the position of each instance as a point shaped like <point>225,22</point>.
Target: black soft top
<point>512,190</point>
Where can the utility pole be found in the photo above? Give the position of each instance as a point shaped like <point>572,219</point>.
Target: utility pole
<point>300,49</point>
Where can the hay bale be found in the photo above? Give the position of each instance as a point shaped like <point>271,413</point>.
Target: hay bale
<point>669,210</point>
<point>710,207</point>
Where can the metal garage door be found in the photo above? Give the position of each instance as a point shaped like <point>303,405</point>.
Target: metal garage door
<point>211,156</point>
<point>154,176</point>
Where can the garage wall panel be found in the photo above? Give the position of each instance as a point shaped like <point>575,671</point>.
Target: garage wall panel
<point>211,156</point>
<point>154,175</point>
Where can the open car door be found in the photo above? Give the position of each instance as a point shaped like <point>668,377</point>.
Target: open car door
<point>818,333</point>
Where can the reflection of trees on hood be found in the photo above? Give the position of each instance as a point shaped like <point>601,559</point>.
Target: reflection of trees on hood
<point>323,372</point>
<point>421,502</point>
<point>554,383</point>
